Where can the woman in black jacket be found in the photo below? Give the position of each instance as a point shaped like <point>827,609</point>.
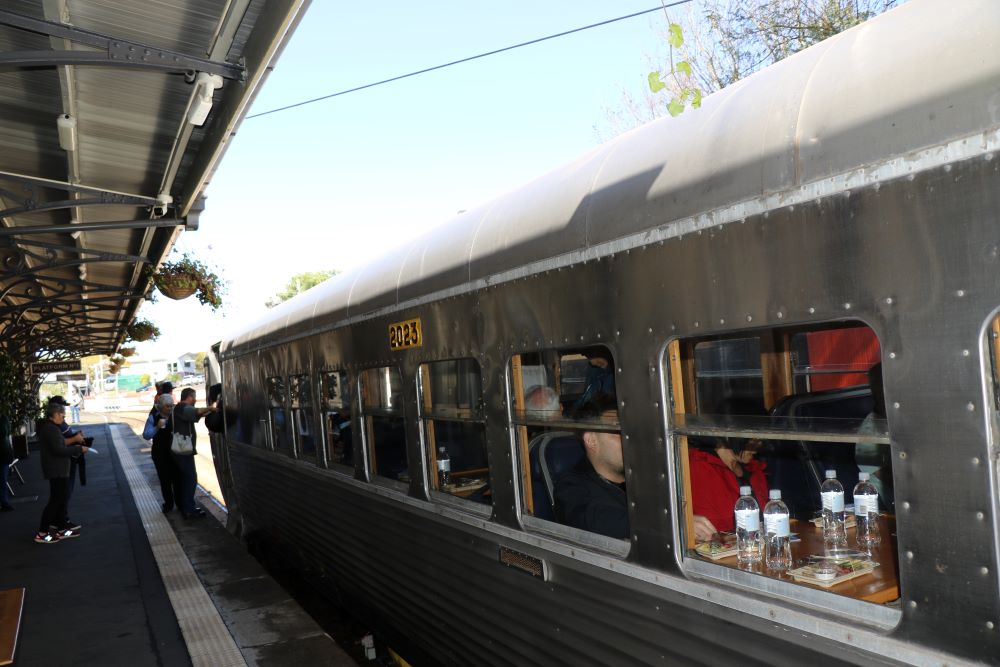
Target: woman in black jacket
<point>55,467</point>
<point>160,430</point>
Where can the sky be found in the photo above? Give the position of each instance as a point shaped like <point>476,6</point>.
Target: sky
<point>337,183</point>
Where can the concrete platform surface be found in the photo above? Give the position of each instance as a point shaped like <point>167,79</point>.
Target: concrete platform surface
<point>104,598</point>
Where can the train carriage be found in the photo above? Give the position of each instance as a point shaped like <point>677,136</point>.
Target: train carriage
<point>834,211</point>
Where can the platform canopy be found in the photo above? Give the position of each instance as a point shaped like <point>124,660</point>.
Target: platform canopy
<point>113,116</point>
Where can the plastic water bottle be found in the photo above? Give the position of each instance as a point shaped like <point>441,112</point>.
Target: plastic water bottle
<point>777,544</point>
<point>444,467</point>
<point>866,514</point>
<point>834,516</point>
<point>747,527</point>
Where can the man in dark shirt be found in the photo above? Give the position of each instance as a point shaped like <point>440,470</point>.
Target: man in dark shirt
<point>185,414</point>
<point>77,464</point>
<point>55,455</point>
<point>591,496</point>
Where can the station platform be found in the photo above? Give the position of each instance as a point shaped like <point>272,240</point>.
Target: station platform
<point>140,587</point>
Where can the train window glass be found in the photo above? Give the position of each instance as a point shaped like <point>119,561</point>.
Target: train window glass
<point>277,401</point>
<point>300,392</point>
<point>817,406</point>
<point>832,359</point>
<point>451,402</point>
<point>385,433</point>
<point>565,417</point>
<point>337,418</point>
<point>728,367</point>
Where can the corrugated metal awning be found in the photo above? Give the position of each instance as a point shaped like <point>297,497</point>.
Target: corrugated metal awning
<point>105,149</point>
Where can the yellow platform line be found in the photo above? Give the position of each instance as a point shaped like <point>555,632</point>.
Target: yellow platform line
<point>209,642</point>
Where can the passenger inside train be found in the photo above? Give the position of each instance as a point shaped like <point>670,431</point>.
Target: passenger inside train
<point>591,495</point>
<point>566,424</point>
<point>719,467</point>
<point>783,410</point>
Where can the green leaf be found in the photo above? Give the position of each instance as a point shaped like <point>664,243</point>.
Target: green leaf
<point>655,84</point>
<point>696,99</point>
<point>676,107</point>
<point>675,36</point>
<point>683,67</point>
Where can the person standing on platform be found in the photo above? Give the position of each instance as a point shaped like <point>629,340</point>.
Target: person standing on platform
<point>77,464</point>
<point>55,456</point>
<point>160,430</point>
<point>162,388</point>
<point>185,417</point>
<point>74,405</point>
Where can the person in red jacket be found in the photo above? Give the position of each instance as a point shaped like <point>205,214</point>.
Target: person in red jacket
<point>719,467</point>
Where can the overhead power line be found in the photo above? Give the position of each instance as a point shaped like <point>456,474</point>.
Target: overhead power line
<point>475,57</point>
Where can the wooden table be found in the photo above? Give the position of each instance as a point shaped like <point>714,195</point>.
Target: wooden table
<point>464,491</point>
<point>879,586</point>
<point>11,605</point>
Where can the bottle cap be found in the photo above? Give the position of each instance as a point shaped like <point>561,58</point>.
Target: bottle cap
<point>831,474</point>
<point>863,477</point>
<point>774,494</point>
<point>744,490</point>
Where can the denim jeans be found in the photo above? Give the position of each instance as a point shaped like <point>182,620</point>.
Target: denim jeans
<point>189,479</point>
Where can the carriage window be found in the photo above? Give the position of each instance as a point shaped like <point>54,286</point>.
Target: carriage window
<point>832,359</point>
<point>382,408</point>
<point>337,418</point>
<point>807,408</point>
<point>565,418</point>
<point>451,401</point>
<point>300,391</point>
<point>280,439</point>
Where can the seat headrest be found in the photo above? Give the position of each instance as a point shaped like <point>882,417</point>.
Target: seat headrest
<point>562,454</point>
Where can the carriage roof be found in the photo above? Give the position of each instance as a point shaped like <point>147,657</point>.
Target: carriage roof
<point>914,88</point>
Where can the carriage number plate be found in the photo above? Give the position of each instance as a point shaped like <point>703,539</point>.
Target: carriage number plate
<point>405,334</point>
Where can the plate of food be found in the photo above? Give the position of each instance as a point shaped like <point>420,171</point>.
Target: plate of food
<point>722,545</point>
<point>827,572</point>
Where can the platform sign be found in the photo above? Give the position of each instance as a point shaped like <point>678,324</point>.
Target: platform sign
<point>71,377</point>
<point>44,367</point>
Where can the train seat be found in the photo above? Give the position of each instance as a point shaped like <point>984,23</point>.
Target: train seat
<point>551,454</point>
<point>797,466</point>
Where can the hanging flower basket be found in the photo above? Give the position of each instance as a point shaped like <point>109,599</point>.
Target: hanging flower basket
<point>181,279</point>
<point>126,351</point>
<point>176,287</point>
<point>142,330</point>
<point>113,369</point>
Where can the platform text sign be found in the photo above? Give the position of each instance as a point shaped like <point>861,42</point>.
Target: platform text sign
<point>44,367</point>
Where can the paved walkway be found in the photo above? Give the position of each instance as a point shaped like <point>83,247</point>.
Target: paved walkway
<point>106,599</point>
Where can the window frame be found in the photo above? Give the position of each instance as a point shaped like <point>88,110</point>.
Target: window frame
<point>426,415</point>
<point>272,430</point>
<point>678,373</point>
<point>519,422</point>
<point>366,418</point>
<point>325,410</point>
<point>299,380</point>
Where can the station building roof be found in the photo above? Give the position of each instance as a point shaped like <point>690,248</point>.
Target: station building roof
<point>113,117</point>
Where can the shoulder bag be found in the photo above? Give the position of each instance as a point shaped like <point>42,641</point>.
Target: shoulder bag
<point>181,443</point>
